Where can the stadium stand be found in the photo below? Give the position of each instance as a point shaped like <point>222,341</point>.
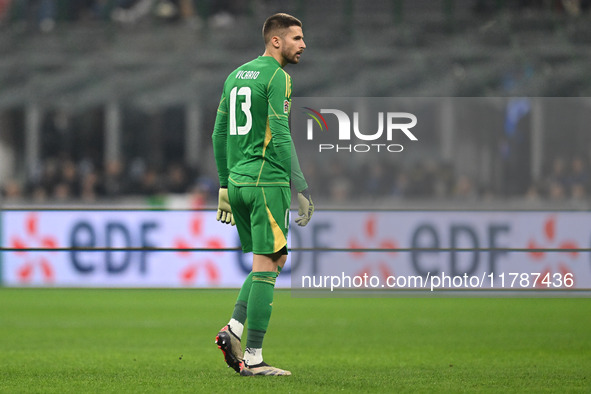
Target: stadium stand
<point>171,56</point>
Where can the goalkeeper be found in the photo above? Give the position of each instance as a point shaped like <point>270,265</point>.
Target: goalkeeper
<point>256,164</point>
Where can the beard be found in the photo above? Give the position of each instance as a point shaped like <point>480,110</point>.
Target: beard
<point>290,58</point>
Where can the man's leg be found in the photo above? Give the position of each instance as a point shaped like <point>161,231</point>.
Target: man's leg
<point>229,337</point>
<point>239,315</point>
<point>265,270</point>
<point>238,319</point>
<point>261,216</point>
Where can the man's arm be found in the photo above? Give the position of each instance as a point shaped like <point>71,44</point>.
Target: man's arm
<point>279,95</point>
<point>279,106</point>
<point>220,151</point>
<point>297,176</point>
<point>220,138</point>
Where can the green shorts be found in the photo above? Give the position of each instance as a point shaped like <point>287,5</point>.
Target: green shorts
<point>262,217</point>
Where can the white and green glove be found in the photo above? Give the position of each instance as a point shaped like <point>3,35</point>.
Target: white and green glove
<point>305,208</point>
<point>224,209</point>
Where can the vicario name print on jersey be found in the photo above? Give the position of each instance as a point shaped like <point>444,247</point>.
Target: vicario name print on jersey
<point>243,74</point>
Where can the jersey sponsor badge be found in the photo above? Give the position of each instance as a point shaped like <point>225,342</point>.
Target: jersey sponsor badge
<point>286,104</point>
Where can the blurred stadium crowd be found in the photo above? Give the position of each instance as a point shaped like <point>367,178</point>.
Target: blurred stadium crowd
<point>72,163</point>
<point>61,179</point>
<point>44,14</point>
<point>567,179</point>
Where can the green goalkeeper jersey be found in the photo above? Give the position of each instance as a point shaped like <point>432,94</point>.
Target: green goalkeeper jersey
<point>251,138</point>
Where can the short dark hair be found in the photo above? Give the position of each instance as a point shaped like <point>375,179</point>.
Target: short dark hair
<point>276,22</point>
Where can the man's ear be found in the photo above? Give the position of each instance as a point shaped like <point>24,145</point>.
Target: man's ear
<point>276,42</point>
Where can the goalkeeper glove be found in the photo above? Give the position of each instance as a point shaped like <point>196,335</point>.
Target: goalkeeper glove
<point>224,209</point>
<point>305,208</point>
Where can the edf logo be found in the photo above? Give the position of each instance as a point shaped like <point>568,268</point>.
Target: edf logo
<point>394,121</point>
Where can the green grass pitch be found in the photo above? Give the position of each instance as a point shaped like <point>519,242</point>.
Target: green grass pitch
<point>88,340</point>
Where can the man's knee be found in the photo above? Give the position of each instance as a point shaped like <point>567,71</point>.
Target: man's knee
<point>269,262</point>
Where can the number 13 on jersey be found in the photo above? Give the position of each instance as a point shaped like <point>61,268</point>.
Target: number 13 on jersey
<point>244,111</point>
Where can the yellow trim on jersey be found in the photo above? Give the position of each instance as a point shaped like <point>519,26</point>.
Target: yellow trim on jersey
<point>275,114</point>
<point>257,184</point>
<point>220,104</point>
<point>279,240</point>
<point>268,137</point>
<point>270,80</point>
<point>287,91</point>
<point>287,84</point>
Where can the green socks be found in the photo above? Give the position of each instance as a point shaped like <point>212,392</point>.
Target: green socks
<point>242,301</point>
<point>260,304</point>
<point>256,291</point>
